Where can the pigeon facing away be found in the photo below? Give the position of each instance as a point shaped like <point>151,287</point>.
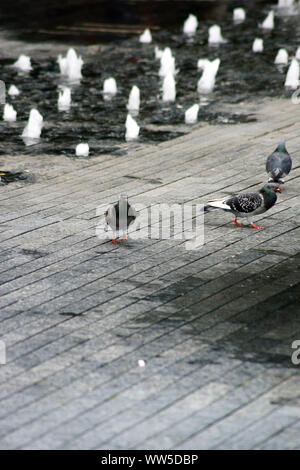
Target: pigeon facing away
<point>119,216</point>
<point>248,204</point>
<point>279,164</point>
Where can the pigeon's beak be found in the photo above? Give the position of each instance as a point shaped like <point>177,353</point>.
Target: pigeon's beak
<point>278,189</point>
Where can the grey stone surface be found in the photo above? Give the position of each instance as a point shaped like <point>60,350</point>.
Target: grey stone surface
<point>214,325</point>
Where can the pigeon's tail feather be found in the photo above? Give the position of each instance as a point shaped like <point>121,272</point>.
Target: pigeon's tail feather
<point>216,205</point>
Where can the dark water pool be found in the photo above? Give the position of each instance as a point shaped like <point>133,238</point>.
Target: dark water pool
<point>243,76</point>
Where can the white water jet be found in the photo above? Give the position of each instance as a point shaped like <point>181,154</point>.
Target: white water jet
<point>190,25</point>
<point>64,99</point>
<point>70,65</point>
<point>202,63</point>
<point>134,99</point>
<point>13,91</point>
<point>292,76</point>
<point>207,81</point>
<point>167,63</point>
<point>34,125</point>
<point>169,88</point>
<point>146,37</point>
<point>23,63</point>
<point>239,15</point>
<point>9,113</point>
<point>258,45</point>
<point>132,129</point>
<point>298,53</point>
<point>110,88</point>
<point>62,63</point>
<point>282,57</point>
<point>215,35</point>
<point>158,52</point>
<point>82,150</point>
<point>191,114</point>
<point>268,23</point>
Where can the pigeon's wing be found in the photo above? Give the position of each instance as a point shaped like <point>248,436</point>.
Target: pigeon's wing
<point>110,217</point>
<point>286,163</point>
<point>273,161</point>
<point>245,203</point>
<point>281,160</point>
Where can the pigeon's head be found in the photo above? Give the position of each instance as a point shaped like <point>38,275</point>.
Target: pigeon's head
<point>281,146</point>
<point>274,186</point>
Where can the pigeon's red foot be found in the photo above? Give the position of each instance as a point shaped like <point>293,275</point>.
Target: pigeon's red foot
<point>279,188</point>
<point>124,237</point>
<point>255,226</point>
<point>115,241</point>
<point>237,223</point>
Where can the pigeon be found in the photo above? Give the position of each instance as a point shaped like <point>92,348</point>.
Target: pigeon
<point>279,164</point>
<point>119,216</point>
<point>248,204</point>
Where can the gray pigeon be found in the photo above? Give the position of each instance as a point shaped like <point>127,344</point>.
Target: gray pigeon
<point>119,216</point>
<point>248,204</point>
<point>279,164</point>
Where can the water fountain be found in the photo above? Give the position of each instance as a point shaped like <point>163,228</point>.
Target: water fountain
<point>268,23</point>
<point>239,15</point>
<point>298,53</point>
<point>82,150</point>
<point>33,129</point>
<point>207,81</point>
<point>132,129</point>
<point>190,25</point>
<point>23,63</point>
<point>109,88</point>
<point>158,52</point>
<point>215,35</point>
<point>292,76</point>
<point>13,91</point>
<point>169,88</point>
<point>258,45</point>
<point>9,113</point>
<point>282,57</point>
<point>146,37</point>
<point>202,63</point>
<point>70,65</point>
<point>64,99</point>
<point>167,63</point>
<point>134,100</point>
<point>191,114</point>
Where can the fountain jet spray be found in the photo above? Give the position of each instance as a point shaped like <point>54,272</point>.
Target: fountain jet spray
<point>258,45</point>
<point>146,37</point>
<point>292,76</point>
<point>207,81</point>
<point>134,99</point>
<point>268,23</point>
<point>132,129</point>
<point>215,35</point>
<point>64,99</point>
<point>33,129</point>
<point>9,113</point>
<point>23,63</point>
<point>191,114</point>
<point>190,25</point>
<point>169,88</point>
